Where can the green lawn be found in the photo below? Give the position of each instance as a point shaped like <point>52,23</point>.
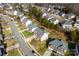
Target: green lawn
<point>7,32</point>
<point>39,46</point>
<point>13,52</point>
<point>27,34</point>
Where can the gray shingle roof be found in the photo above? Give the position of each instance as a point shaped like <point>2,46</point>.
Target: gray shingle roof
<point>24,20</point>
<point>68,23</point>
<point>31,26</point>
<point>58,45</point>
<point>39,33</point>
<point>18,13</point>
<point>52,20</point>
<point>21,17</point>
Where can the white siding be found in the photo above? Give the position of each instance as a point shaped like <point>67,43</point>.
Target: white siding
<point>15,12</point>
<point>44,37</point>
<point>28,22</point>
<point>33,29</point>
<point>23,18</point>
<point>76,25</point>
<point>67,26</point>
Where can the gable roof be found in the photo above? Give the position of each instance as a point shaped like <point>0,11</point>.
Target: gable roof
<point>24,20</point>
<point>31,26</point>
<point>17,13</point>
<point>68,23</point>
<point>39,33</point>
<point>52,20</point>
<point>56,43</point>
<point>59,45</point>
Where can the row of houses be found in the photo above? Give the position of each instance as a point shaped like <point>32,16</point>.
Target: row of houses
<point>58,46</point>
<point>39,33</point>
<point>66,25</point>
<point>66,22</point>
<point>69,24</point>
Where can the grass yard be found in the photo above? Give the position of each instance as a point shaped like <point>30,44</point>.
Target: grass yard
<point>27,34</point>
<point>7,32</point>
<point>13,52</point>
<point>39,46</point>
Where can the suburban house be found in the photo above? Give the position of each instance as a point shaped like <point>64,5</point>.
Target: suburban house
<point>58,46</point>
<point>1,5</point>
<point>10,12</point>
<point>17,13</point>
<point>2,51</point>
<point>25,7</point>
<point>40,34</point>
<point>70,16</point>
<point>8,6</point>
<point>45,15</point>
<point>77,22</point>
<point>54,21</point>
<point>49,9</point>
<point>77,50</point>
<point>77,18</point>
<point>67,25</point>
<point>28,22</point>
<point>56,12</point>
<point>32,27</point>
<point>13,12</point>
<point>61,14</point>
<point>25,21</point>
